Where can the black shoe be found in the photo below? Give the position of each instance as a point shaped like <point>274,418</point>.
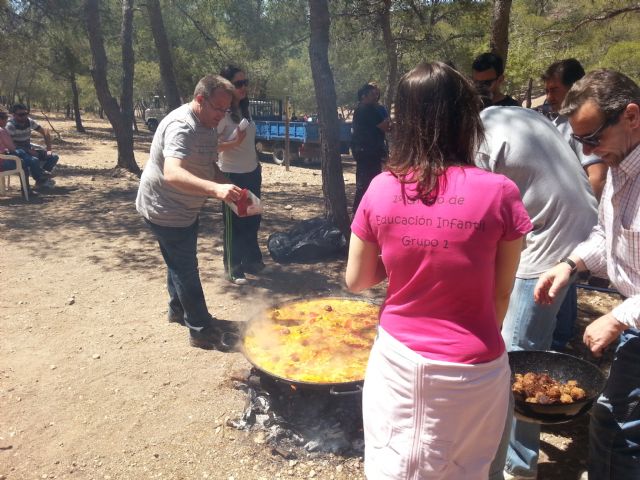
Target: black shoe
<point>222,335</point>
<point>174,317</point>
<point>253,268</point>
<point>208,338</point>
<point>224,326</point>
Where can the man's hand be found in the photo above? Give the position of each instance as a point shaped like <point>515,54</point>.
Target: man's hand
<point>601,333</point>
<point>227,192</point>
<point>550,282</point>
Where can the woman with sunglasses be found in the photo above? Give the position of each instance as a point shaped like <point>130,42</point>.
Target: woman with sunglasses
<point>238,160</point>
<point>448,236</point>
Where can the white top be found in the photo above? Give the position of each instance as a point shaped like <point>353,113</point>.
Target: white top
<point>240,159</point>
<point>613,248</point>
<point>525,147</point>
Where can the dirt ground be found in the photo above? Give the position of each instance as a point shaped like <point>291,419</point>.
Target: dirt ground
<point>95,384</point>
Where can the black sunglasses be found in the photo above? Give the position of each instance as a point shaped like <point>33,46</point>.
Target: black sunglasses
<point>484,83</point>
<point>593,139</point>
<point>241,83</point>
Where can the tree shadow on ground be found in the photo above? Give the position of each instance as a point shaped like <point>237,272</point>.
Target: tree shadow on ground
<point>570,463</point>
<point>101,209</point>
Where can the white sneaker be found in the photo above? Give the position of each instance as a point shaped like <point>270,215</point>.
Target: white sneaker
<point>239,280</point>
<point>48,183</point>
<point>511,476</point>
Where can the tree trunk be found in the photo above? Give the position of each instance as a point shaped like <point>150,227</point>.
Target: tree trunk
<point>164,55</point>
<point>529,90</point>
<point>500,28</point>
<point>392,54</point>
<point>76,104</point>
<point>335,199</point>
<point>120,122</point>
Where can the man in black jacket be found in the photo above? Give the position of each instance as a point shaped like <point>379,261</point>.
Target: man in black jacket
<point>367,141</point>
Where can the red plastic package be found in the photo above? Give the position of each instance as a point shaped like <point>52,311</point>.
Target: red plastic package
<point>248,204</point>
<point>243,203</point>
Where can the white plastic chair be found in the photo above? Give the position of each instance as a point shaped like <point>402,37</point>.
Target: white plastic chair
<point>16,171</point>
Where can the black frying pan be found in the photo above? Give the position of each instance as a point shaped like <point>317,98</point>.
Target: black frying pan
<point>560,367</point>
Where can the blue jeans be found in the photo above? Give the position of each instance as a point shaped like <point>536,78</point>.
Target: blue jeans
<point>614,431</point>
<point>565,320</point>
<point>29,163</point>
<point>179,250</point>
<point>48,161</point>
<point>527,326</point>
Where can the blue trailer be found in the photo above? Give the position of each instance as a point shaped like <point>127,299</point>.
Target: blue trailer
<point>304,137</point>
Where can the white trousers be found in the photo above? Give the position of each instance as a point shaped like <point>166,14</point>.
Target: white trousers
<point>427,419</point>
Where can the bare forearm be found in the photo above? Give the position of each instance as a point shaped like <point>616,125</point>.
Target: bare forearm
<point>47,139</point>
<point>356,285</point>
<point>177,174</point>
<point>502,304</point>
<point>364,265</point>
<point>183,180</point>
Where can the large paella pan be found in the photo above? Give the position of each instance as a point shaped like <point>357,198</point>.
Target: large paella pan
<point>318,343</point>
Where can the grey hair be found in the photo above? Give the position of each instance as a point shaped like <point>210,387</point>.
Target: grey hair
<point>209,83</point>
<point>611,91</point>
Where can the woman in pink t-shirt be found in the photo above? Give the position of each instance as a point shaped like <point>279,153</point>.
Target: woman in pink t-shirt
<point>448,236</point>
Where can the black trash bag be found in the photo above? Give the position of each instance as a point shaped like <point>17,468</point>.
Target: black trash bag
<point>309,241</point>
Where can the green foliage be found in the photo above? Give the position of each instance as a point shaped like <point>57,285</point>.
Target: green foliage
<point>45,43</point>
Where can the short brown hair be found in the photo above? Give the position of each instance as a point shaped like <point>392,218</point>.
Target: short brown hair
<point>568,71</point>
<point>209,83</point>
<point>611,91</point>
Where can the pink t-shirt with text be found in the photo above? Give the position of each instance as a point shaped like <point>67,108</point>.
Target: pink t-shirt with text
<point>440,260</point>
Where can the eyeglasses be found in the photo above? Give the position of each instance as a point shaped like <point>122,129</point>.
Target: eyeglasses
<point>593,139</point>
<point>484,83</point>
<point>216,109</point>
<point>241,83</point>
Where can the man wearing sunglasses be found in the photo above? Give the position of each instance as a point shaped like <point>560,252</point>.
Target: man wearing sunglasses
<point>20,128</point>
<point>604,111</point>
<point>30,164</point>
<point>179,177</point>
<point>487,72</point>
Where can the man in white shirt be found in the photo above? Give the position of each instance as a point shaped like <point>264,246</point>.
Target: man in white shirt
<point>604,111</point>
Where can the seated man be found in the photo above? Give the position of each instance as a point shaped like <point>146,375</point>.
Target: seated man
<point>20,127</point>
<point>30,164</point>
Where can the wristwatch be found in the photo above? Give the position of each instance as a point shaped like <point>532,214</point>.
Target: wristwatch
<point>571,263</point>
